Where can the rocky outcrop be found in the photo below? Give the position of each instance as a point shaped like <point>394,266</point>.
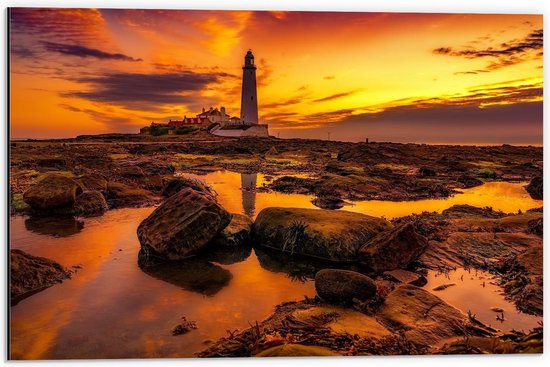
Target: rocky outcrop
<point>535,188</point>
<point>424,318</point>
<point>325,234</point>
<point>30,274</point>
<point>342,286</point>
<point>176,184</point>
<point>236,233</point>
<point>90,203</point>
<point>467,211</point>
<point>181,226</point>
<point>53,192</point>
<point>393,249</point>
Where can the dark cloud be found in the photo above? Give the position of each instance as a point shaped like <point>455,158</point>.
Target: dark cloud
<point>21,51</point>
<point>76,25</point>
<point>329,77</point>
<point>335,96</point>
<point>519,123</point>
<point>81,51</point>
<point>502,55</point>
<point>145,91</point>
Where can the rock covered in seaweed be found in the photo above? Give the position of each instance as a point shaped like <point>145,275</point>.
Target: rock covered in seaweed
<point>54,191</point>
<point>325,234</point>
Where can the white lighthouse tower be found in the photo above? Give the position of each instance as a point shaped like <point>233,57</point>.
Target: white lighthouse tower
<point>249,98</point>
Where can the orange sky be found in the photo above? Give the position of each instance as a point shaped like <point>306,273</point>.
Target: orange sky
<point>459,78</point>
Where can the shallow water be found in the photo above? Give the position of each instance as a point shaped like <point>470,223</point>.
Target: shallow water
<point>237,192</point>
<point>113,309</point>
<point>476,291</point>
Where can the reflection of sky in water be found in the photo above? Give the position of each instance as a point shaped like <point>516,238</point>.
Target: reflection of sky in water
<point>476,291</point>
<point>237,194</point>
<point>111,308</point>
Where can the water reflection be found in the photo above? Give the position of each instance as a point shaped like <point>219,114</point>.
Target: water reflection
<point>226,255</point>
<point>54,226</point>
<point>476,291</point>
<point>236,192</point>
<point>298,268</point>
<point>194,275</point>
<point>248,192</point>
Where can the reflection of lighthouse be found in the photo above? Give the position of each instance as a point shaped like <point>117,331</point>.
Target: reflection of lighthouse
<point>248,189</point>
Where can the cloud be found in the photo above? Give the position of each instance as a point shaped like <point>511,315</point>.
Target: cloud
<point>502,55</point>
<point>145,91</point>
<point>519,123</point>
<point>335,96</point>
<point>68,24</point>
<point>81,51</point>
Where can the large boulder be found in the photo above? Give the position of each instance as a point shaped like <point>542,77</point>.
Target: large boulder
<point>29,274</point>
<point>325,234</point>
<point>236,233</point>
<point>424,318</point>
<point>52,192</point>
<point>342,286</point>
<point>181,226</point>
<point>393,249</point>
<point>535,188</point>
<point>90,203</point>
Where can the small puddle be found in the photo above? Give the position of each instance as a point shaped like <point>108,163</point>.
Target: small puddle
<point>476,291</point>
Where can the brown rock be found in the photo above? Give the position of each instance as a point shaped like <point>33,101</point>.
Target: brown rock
<point>342,286</point>
<point>325,234</point>
<point>90,203</point>
<point>535,188</point>
<point>181,226</point>
<point>406,277</point>
<point>425,318</point>
<point>236,233</point>
<point>176,184</point>
<point>93,182</point>
<point>30,274</point>
<point>121,195</point>
<point>393,249</point>
<point>52,192</point>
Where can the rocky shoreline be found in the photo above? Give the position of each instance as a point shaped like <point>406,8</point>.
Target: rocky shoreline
<point>369,271</point>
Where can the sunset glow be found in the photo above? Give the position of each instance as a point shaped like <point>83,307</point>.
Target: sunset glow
<point>436,78</point>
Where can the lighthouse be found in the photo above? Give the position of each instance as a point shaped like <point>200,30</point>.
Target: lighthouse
<point>249,98</point>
